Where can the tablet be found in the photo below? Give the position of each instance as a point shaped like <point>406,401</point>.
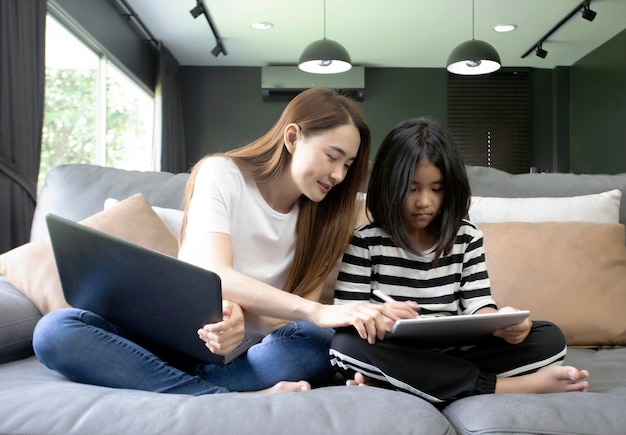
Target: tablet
<point>453,330</point>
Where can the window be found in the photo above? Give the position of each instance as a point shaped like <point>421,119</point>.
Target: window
<point>489,117</point>
<point>94,113</point>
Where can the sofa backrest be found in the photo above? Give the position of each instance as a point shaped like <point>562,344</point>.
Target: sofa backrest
<point>77,191</point>
<point>490,182</point>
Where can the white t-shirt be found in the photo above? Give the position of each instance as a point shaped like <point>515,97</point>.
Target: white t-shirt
<point>226,201</point>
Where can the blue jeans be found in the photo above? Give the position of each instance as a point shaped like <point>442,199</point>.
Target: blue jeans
<point>86,348</point>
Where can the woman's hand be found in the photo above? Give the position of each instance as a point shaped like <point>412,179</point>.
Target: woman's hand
<point>222,337</point>
<point>366,318</point>
<point>513,334</point>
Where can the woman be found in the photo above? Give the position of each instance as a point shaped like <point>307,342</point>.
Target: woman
<point>270,218</point>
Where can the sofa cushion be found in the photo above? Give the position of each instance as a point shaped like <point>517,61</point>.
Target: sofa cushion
<point>18,317</point>
<point>486,181</point>
<point>73,408</point>
<point>77,191</point>
<point>599,207</point>
<point>32,269</point>
<point>598,411</point>
<point>171,217</point>
<point>570,273</point>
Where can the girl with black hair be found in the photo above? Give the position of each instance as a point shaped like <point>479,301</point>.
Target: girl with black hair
<point>419,249</point>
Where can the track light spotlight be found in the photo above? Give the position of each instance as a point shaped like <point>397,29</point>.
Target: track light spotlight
<point>539,51</point>
<point>219,48</point>
<point>587,13</point>
<point>197,11</point>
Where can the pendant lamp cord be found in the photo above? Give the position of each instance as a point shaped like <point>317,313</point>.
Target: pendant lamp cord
<point>473,23</point>
<point>325,19</point>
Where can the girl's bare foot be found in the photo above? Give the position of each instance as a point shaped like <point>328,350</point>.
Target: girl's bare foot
<point>358,380</point>
<point>551,379</point>
<point>286,387</point>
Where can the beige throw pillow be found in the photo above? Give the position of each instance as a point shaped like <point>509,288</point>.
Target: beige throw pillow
<point>31,267</point>
<point>570,273</point>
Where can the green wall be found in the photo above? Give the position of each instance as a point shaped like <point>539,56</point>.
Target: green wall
<point>223,107</point>
<point>598,110</point>
<point>541,155</point>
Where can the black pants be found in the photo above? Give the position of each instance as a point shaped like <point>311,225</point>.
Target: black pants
<point>442,375</point>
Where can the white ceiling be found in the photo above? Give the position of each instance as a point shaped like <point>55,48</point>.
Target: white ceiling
<point>388,33</point>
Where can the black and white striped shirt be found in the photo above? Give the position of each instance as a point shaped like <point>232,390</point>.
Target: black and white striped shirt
<point>457,284</point>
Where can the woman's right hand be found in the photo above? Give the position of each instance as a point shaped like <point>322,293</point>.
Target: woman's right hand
<point>367,319</point>
<point>224,336</point>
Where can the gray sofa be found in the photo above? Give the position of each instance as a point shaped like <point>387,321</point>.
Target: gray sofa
<point>36,400</point>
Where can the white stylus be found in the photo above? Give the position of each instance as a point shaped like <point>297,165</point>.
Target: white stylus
<point>383,296</point>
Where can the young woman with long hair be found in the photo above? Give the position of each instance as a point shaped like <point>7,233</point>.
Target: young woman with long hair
<point>271,218</point>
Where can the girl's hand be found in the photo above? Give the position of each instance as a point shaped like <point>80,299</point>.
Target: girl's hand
<point>222,337</point>
<point>513,334</point>
<point>396,310</point>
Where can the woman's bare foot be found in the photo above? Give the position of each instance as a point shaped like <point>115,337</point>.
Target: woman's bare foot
<point>286,387</point>
<point>551,379</point>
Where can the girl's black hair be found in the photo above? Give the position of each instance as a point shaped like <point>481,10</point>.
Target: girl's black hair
<point>403,148</point>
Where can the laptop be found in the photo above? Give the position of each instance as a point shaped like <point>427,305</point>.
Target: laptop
<point>453,330</point>
<point>150,294</point>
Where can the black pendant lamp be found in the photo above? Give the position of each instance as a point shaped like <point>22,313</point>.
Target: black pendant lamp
<point>325,56</point>
<point>474,57</point>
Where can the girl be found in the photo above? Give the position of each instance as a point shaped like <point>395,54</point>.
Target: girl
<point>260,217</point>
<point>419,249</point>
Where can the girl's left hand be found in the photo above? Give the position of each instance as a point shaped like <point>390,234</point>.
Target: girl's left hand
<point>223,337</point>
<point>513,334</point>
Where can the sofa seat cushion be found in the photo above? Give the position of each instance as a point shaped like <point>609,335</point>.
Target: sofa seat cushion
<point>598,411</point>
<point>31,267</point>
<point>570,273</point>
<point>72,408</point>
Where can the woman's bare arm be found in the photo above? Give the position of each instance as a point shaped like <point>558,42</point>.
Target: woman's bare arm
<point>261,299</point>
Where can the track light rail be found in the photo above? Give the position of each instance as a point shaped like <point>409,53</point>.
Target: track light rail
<point>128,12</point>
<point>201,9</point>
<point>581,7</point>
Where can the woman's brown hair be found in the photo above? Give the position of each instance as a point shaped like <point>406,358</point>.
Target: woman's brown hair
<point>323,229</point>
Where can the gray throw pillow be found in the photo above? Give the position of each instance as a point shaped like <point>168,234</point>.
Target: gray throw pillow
<point>18,317</point>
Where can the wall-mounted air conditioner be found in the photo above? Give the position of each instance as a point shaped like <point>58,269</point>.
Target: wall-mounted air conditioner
<point>285,82</point>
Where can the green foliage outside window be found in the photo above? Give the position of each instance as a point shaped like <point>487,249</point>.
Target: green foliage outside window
<point>93,112</point>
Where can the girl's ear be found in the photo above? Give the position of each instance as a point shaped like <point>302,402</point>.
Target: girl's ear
<point>291,137</point>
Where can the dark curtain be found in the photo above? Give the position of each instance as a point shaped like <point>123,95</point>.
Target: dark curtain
<point>22,78</point>
<point>169,117</point>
